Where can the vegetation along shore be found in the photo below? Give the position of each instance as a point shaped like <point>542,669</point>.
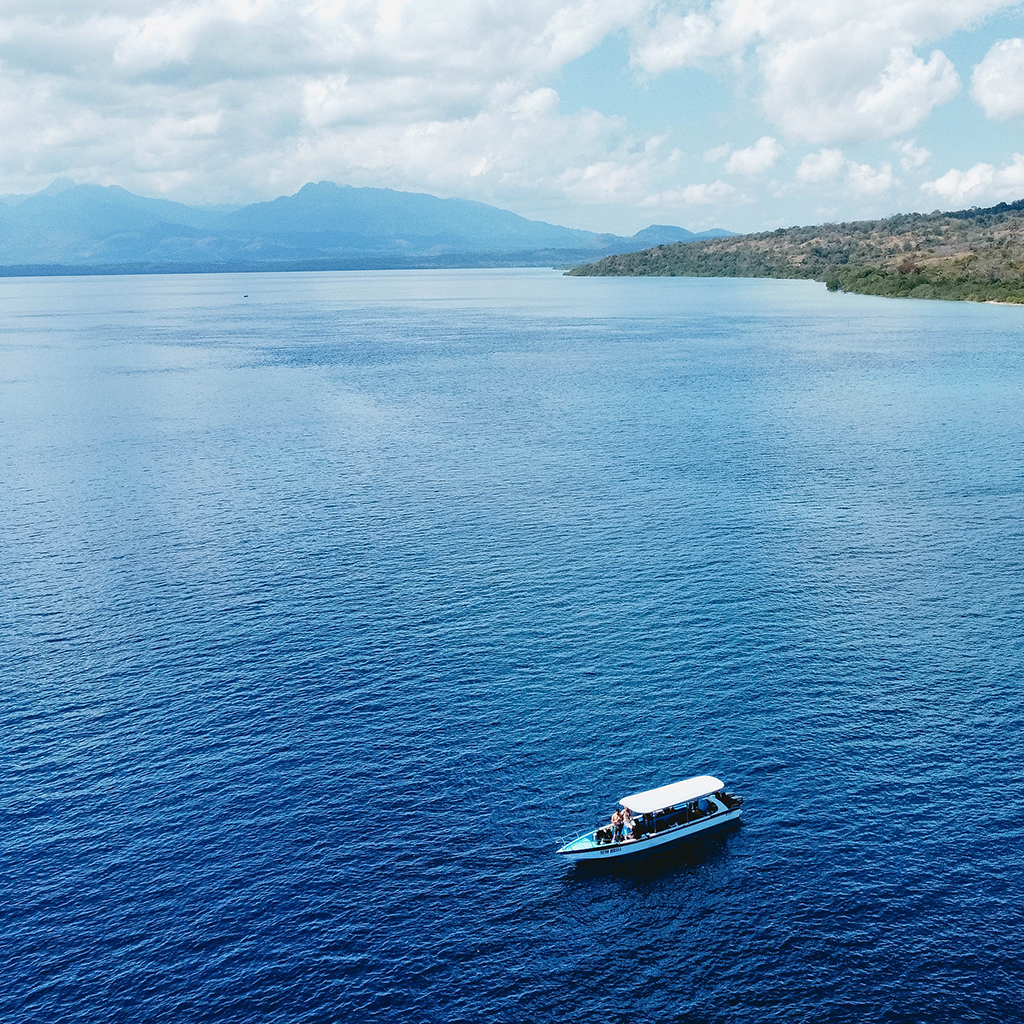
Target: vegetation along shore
<point>975,255</point>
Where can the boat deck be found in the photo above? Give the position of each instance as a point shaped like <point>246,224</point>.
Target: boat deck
<point>678,824</point>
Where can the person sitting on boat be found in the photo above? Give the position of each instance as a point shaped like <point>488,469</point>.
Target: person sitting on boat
<point>616,825</point>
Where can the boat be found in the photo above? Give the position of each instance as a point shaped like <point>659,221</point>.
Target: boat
<point>660,817</point>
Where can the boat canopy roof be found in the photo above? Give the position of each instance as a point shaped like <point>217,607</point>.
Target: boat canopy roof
<point>673,794</point>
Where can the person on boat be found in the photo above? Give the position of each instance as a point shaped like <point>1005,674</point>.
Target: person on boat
<point>616,825</point>
<point>628,822</point>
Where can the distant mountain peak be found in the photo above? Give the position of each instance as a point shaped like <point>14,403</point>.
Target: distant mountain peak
<point>57,186</point>
<point>669,234</point>
<point>320,187</point>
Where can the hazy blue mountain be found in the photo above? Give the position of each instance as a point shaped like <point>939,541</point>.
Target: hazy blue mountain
<point>378,213</point>
<point>55,186</point>
<point>92,225</point>
<point>663,234</point>
<point>75,225</point>
<point>98,209</point>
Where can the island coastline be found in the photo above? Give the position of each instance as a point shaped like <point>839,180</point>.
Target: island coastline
<point>974,255</point>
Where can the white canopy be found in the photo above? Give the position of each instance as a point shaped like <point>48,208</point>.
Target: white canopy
<point>672,795</point>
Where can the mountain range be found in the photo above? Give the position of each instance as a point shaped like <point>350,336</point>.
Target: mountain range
<point>69,227</point>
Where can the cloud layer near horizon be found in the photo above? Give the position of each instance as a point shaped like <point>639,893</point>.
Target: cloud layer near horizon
<point>231,100</point>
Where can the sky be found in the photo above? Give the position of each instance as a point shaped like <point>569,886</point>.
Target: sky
<point>602,114</point>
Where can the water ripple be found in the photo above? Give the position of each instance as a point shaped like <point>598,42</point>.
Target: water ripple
<point>327,614</point>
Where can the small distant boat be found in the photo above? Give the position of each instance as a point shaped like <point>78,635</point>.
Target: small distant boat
<point>660,817</point>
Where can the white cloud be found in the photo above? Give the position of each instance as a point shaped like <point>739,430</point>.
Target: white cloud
<point>998,81</point>
<point>608,181</point>
<point>905,93</point>
<point>522,148</point>
<point>692,195</point>
<point>829,71</point>
<point>980,183</point>
<point>825,165</point>
<point>913,156</point>
<point>240,99</point>
<point>812,91</point>
<point>234,100</point>
<point>755,159</point>
<point>865,180</point>
<point>829,166</point>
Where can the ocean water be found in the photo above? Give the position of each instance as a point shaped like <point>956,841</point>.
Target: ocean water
<point>330,608</point>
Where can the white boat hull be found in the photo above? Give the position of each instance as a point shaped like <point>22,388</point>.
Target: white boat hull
<point>575,851</point>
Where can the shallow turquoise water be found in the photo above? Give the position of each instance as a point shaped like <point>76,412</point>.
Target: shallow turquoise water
<point>330,610</point>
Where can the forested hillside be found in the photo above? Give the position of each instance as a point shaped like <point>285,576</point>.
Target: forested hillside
<point>976,255</point>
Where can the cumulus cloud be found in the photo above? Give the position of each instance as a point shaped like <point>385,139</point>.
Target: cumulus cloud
<point>980,183</point>
<point>702,194</point>
<point>912,155</point>
<point>717,152</point>
<point>828,72</point>
<point>825,165</point>
<point>755,159</point>
<point>627,178</point>
<point>812,91</point>
<point>829,166</point>
<point>998,81</point>
<point>866,180</point>
<point>524,147</point>
<point>233,99</point>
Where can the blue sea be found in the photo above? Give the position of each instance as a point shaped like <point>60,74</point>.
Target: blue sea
<point>333,602</point>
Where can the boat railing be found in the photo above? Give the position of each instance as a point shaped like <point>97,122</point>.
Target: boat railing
<point>575,837</point>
